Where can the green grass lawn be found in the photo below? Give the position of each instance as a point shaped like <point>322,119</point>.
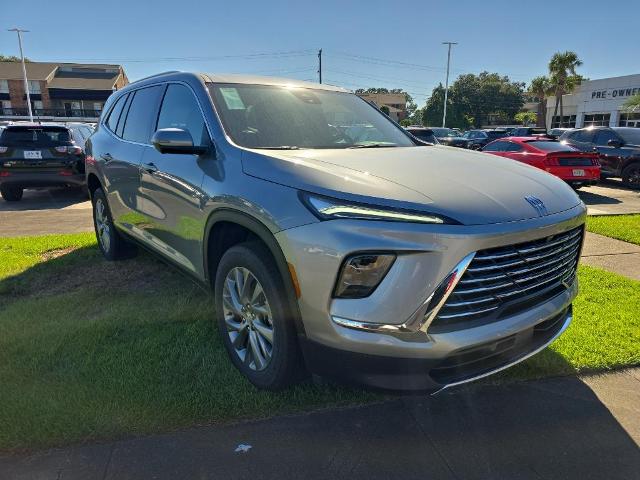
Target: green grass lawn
<point>622,227</point>
<point>92,350</point>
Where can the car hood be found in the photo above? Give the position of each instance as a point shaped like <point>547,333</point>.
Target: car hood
<point>470,187</point>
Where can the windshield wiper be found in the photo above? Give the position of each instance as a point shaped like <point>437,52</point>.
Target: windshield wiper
<point>373,145</point>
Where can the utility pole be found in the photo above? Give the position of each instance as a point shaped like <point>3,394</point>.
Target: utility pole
<point>24,70</point>
<point>446,87</point>
<point>320,65</point>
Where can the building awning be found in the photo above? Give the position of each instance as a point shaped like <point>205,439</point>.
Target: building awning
<point>78,94</point>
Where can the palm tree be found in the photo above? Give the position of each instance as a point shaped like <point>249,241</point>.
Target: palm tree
<point>540,87</point>
<point>633,104</point>
<point>563,77</point>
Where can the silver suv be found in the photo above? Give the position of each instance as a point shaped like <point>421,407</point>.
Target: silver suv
<point>334,244</point>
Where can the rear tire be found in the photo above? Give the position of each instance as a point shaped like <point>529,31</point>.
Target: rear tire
<point>11,193</point>
<point>111,243</point>
<point>251,308</point>
<point>631,175</point>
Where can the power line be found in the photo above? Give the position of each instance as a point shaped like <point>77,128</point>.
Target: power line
<point>249,56</point>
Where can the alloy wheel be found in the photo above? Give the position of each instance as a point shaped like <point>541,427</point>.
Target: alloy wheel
<point>248,318</point>
<point>103,227</point>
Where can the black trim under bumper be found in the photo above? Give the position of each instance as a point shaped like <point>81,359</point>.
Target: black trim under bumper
<point>414,374</point>
<point>48,179</point>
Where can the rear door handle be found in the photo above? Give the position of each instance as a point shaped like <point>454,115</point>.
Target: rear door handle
<point>106,157</point>
<point>150,167</point>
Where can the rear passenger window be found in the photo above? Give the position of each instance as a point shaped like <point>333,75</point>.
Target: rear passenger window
<point>180,110</point>
<point>495,147</point>
<point>112,121</point>
<point>141,115</point>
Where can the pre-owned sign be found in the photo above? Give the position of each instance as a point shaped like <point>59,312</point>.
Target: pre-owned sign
<point>614,93</point>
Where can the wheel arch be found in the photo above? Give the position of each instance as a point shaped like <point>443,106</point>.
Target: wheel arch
<point>242,227</point>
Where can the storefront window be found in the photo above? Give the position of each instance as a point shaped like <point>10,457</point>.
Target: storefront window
<point>629,120</point>
<point>597,120</point>
<point>568,121</point>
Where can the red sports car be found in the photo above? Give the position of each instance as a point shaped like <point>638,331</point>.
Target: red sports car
<point>575,167</point>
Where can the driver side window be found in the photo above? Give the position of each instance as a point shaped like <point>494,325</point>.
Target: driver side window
<point>603,137</point>
<point>180,110</point>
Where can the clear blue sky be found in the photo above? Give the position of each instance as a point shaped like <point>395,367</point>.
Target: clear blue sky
<point>509,37</point>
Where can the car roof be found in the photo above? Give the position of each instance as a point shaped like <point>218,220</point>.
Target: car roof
<point>233,78</point>
<point>528,138</point>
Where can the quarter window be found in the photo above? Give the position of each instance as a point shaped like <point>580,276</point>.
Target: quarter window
<point>180,110</point>
<point>141,115</point>
<point>112,121</point>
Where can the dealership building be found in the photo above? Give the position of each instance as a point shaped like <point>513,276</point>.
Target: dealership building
<point>599,103</point>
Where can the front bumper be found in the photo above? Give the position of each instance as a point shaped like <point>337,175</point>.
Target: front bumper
<point>459,367</point>
<point>427,254</point>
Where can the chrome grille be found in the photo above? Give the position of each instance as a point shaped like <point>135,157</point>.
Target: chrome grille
<point>506,280</point>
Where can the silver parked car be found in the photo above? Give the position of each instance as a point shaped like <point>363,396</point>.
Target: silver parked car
<point>334,244</point>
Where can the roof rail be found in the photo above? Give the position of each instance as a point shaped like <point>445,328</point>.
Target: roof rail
<point>156,75</point>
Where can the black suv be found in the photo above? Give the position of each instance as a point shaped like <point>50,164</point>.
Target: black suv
<point>618,149</point>
<point>476,139</point>
<point>423,134</point>
<point>34,155</point>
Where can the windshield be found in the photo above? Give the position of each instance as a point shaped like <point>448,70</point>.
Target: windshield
<point>263,116</point>
<point>35,136</point>
<point>445,132</point>
<point>552,146</point>
<point>630,135</point>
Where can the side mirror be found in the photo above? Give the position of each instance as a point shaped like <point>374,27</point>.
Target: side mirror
<point>175,140</point>
<point>614,143</point>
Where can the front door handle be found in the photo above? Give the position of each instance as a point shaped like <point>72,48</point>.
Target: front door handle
<point>150,167</point>
<point>106,157</point>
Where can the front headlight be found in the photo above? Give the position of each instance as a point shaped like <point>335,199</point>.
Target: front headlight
<point>330,208</point>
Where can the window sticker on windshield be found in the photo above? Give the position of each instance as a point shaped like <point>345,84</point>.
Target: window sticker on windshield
<point>232,98</point>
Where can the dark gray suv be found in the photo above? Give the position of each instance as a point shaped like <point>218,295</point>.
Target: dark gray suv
<point>334,244</point>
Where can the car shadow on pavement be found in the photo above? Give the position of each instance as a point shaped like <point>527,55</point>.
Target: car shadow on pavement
<point>591,198</point>
<point>45,199</point>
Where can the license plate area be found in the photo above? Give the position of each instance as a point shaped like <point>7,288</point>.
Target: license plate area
<point>578,172</point>
<point>33,155</point>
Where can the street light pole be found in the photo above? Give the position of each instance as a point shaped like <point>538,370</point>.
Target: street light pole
<point>446,87</point>
<point>24,70</point>
<point>320,66</point>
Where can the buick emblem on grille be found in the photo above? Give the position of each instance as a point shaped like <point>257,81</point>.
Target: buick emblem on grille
<point>538,204</point>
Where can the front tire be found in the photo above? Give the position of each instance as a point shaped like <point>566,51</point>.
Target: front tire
<point>254,319</point>
<point>11,193</point>
<point>631,175</point>
<point>111,243</point>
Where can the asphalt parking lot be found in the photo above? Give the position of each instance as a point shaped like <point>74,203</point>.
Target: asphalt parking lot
<point>68,211</point>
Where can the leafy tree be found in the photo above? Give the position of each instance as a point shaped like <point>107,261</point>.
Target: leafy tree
<point>480,95</point>
<point>526,118</point>
<point>633,103</point>
<point>384,109</point>
<point>432,112</point>
<point>563,77</point>
<point>405,122</point>
<point>11,58</point>
<point>541,87</point>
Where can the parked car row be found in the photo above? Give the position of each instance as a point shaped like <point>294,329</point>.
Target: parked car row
<point>614,151</point>
<point>41,155</point>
